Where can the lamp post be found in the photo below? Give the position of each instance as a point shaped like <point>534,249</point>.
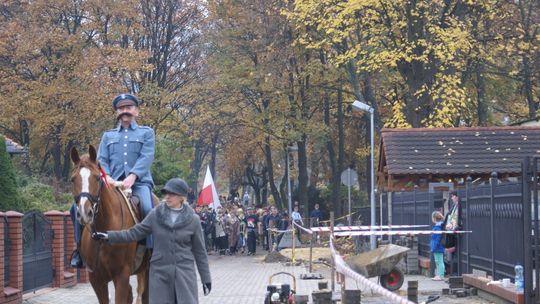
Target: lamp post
<point>289,149</point>
<point>360,106</point>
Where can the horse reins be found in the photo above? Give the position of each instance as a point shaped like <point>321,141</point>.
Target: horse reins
<point>95,200</point>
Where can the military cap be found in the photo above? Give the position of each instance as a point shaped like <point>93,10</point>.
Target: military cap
<point>124,100</point>
<point>176,186</point>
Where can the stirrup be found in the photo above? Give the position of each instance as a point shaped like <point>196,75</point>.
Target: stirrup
<point>75,259</point>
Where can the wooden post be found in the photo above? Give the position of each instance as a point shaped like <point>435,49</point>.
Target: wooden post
<point>342,279</point>
<point>333,285</point>
<point>293,241</point>
<point>311,247</point>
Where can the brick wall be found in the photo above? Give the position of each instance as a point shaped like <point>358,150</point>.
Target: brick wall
<point>2,252</point>
<point>13,292</point>
<point>82,274</point>
<point>62,246</point>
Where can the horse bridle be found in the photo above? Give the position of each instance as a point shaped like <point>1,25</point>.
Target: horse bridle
<point>95,200</point>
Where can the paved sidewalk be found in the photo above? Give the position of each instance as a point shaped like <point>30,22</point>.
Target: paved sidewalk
<point>243,280</point>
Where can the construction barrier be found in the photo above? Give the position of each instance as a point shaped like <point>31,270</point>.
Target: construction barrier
<point>351,228</point>
<point>403,232</point>
<point>343,268</point>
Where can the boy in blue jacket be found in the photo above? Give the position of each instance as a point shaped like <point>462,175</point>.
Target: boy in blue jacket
<point>436,247</point>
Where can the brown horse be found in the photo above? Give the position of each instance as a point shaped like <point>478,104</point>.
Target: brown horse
<point>101,207</point>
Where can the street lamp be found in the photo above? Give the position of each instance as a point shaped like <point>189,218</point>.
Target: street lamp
<point>289,149</point>
<point>360,106</point>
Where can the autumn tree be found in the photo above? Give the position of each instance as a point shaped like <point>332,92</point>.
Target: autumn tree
<point>61,63</point>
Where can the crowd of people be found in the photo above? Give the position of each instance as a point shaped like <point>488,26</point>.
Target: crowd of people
<point>236,227</point>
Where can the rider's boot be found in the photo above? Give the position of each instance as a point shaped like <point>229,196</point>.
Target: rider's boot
<point>76,260</point>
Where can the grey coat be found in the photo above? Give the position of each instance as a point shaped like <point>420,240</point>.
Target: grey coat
<point>177,247</point>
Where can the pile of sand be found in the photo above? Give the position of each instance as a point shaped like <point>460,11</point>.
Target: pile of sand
<point>302,254</point>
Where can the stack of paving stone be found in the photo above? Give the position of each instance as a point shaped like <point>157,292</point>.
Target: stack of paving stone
<point>323,295</point>
<point>351,296</point>
<point>410,263</point>
<point>412,257</point>
<point>412,291</point>
<point>456,288</point>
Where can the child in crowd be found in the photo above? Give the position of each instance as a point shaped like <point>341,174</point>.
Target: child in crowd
<point>436,247</point>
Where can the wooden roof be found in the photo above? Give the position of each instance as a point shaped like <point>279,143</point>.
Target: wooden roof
<point>14,148</point>
<point>456,151</point>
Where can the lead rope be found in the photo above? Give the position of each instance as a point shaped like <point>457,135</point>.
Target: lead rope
<point>93,225</point>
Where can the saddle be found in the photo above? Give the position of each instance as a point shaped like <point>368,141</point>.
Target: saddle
<point>134,204</point>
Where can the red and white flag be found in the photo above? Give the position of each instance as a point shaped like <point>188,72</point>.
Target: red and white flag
<point>208,195</point>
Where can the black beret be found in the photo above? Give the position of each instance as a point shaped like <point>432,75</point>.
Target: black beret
<point>177,186</point>
<point>127,97</point>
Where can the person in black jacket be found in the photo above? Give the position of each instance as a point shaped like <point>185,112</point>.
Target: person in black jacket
<point>453,222</point>
<point>282,226</point>
<point>272,222</point>
<point>252,221</point>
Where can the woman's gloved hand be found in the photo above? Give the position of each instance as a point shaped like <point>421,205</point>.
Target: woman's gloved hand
<point>100,236</point>
<point>206,288</point>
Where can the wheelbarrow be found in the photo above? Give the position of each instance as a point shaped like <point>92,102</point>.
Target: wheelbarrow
<point>381,262</point>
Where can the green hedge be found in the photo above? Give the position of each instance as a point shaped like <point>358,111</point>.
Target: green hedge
<point>37,195</point>
<point>9,198</point>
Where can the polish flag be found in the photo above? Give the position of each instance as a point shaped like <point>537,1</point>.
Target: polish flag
<point>208,195</point>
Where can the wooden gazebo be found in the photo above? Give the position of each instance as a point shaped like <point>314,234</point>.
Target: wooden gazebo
<point>427,156</point>
<point>13,148</point>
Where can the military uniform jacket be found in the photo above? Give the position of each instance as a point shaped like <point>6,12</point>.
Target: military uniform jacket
<point>128,150</point>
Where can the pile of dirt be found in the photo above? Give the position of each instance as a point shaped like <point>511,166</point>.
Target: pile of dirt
<point>345,246</point>
<point>275,257</point>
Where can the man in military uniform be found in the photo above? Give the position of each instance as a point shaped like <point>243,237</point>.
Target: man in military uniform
<point>126,154</point>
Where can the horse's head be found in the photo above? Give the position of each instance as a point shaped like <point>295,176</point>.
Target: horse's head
<point>87,184</point>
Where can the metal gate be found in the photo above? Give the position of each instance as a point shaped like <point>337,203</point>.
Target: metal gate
<point>531,257</point>
<point>37,251</point>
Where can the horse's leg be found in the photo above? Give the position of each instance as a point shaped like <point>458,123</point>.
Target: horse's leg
<point>101,288</point>
<point>122,288</point>
<point>142,288</point>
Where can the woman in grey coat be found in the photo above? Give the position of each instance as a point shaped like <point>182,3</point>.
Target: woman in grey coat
<point>178,246</point>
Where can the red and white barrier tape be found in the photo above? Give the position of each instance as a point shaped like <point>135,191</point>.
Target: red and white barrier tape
<point>351,228</point>
<point>344,269</point>
<point>304,229</point>
<point>402,232</point>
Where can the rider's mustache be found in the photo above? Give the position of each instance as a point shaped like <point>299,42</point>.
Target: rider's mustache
<point>123,114</point>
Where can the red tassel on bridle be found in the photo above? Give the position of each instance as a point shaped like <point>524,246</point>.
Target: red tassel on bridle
<point>103,176</point>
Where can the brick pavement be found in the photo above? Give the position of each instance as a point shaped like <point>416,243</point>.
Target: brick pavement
<point>243,280</point>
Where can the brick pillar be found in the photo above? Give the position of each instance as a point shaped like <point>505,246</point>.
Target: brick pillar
<point>2,252</point>
<point>61,277</point>
<point>83,276</point>
<point>70,244</point>
<point>82,273</point>
<point>13,292</point>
